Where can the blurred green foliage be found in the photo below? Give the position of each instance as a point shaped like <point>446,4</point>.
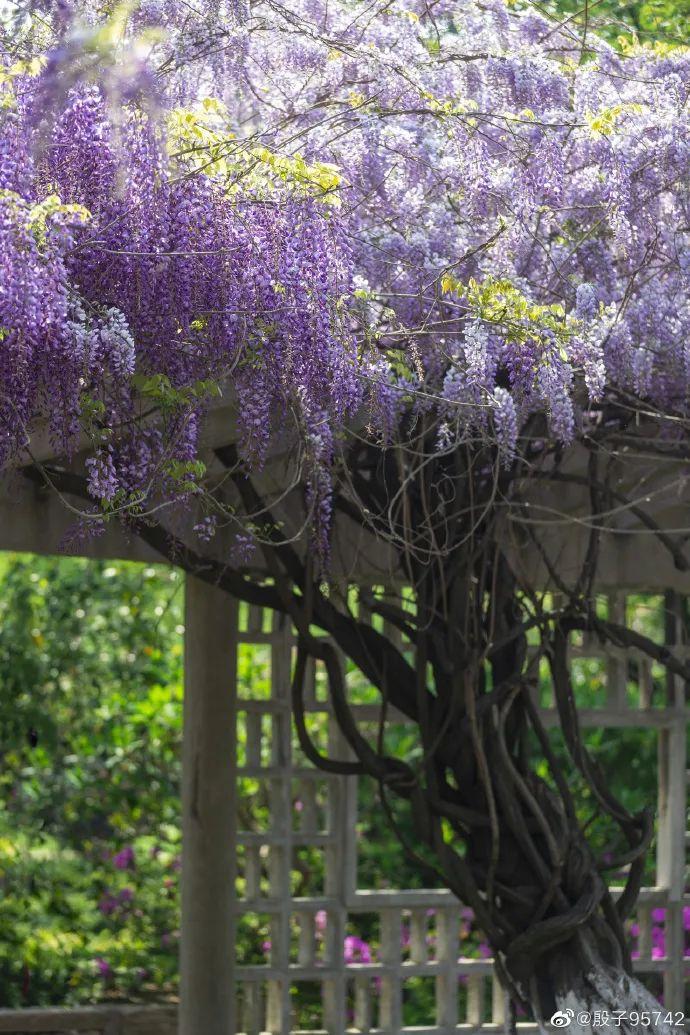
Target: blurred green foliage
<point>90,718</point>
<point>647,21</point>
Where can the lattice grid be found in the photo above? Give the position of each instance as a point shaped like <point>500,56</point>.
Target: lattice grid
<point>298,829</point>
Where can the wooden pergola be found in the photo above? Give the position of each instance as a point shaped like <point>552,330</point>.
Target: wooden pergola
<point>35,519</point>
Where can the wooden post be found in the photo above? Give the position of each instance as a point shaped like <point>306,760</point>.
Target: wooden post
<point>207,949</point>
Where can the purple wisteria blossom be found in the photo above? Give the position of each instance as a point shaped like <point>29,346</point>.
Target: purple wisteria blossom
<point>137,278</point>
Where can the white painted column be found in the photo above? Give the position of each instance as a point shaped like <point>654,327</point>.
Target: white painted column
<point>207,946</point>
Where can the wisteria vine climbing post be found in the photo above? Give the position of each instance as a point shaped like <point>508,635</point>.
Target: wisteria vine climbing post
<point>430,263</point>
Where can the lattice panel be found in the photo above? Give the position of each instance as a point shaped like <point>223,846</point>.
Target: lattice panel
<point>298,896</point>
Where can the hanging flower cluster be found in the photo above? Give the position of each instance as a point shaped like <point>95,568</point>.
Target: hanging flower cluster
<point>131,285</point>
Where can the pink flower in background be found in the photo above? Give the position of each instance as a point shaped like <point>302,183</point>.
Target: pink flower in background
<point>320,921</point>
<point>658,915</point>
<point>485,951</point>
<point>266,947</point>
<point>356,950</point>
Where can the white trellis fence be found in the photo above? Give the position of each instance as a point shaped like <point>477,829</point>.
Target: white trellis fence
<point>244,843</point>
<point>300,810</point>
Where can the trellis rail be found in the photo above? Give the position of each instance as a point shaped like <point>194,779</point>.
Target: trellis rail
<point>91,1020</point>
<point>305,935</point>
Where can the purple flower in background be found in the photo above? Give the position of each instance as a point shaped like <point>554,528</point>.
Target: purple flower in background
<point>103,967</point>
<point>242,550</point>
<point>206,528</point>
<point>586,302</point>
<point>124,859</point>
<point>103,481</point>
<point>107,904</point>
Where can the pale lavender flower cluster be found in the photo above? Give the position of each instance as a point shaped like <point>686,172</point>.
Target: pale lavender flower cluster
<point>466,143</point>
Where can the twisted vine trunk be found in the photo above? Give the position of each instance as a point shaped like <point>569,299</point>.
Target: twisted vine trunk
<point>603,998</point>
<point>599,997</point>
<point>565,955</point>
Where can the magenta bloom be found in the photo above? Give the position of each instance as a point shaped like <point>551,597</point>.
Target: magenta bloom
<point>355,950</point>
<point>103,967</point>
<point>658,943</point>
